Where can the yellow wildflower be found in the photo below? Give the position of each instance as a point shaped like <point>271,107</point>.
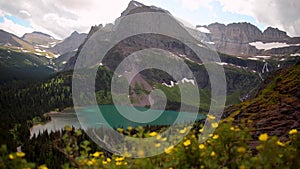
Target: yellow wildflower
<point>201,146</point>
<point>152,134</point>
<point>89,163</point>
<point>120,158</point>
<point>120,130</point>
<point>129,128</point>
<point>212,154</point>
<point>20,154</point>
<point>43,167</point>
<point>157,145</point>
<point>263,137</point>
<point>108,160</point>
<point>293,131</point>
<point>241,149</point>
<point>164,139</point>
<point>158,137</point>
<point>187,143</point>
<point>183,131</point>
<point>280,143</point>
<point>97,154</point>
<point>169,149</point>
<point>104,162</point>
<point>202,166</point>
<point>201,130</point>
<point>242,167</point>
<point>118,163</point>
<point>237,129</point>
<point>214,125</point>
<point>232,128</point>
<point>211,117</point>
<point>215,137</point>
<point>11,156</point>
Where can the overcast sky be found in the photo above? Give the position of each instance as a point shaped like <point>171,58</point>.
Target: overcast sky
<point>60,18</point>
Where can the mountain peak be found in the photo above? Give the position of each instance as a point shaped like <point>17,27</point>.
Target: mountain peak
<point>41,33</point>
<point>137,7</point>
<point>271,34</point>
<point>135,3</point>
<point>74,33</point>
<point>132,5</point>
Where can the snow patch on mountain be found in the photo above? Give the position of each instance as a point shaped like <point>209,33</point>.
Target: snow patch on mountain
<point>295,54</point>
<point>221,63</point>
<point>252,58</point>
<point>203,29</point>
<point>184,80</point>
<point>267,46</point>
<point>263,57</point>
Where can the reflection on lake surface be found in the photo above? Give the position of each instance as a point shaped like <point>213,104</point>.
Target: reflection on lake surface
<point>110,116</point>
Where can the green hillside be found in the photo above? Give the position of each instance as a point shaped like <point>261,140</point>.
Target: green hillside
<point>16,66</point>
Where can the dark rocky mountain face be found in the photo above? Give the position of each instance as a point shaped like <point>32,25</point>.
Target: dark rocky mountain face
<point>70,44</point>
<point>40,39</point>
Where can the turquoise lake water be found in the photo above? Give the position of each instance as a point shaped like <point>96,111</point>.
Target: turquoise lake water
<point>111,116</point>
<point>90,117</point>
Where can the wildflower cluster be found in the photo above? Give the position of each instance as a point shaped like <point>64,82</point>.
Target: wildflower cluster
<point>228,147</point>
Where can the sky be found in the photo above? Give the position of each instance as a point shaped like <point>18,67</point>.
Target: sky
<point>60,18</point>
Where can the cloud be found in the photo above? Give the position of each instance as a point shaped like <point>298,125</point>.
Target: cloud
<point>283,14</point>
<point>25,13</point>
<point>13,28</point>
<point>61,18</point>
<point>276,13</point>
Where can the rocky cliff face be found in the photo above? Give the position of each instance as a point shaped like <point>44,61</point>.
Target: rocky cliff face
<point>274,35</point>
<point>69,44</point>
<point>234,39</point>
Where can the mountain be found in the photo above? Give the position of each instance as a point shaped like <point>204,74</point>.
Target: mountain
<point>242,74</point>
<point>70,44</point>
<point>40,39</point>
<point>70,59</point>
<point>274,107</point>
<point>11,40</point>
<point>245,39</point>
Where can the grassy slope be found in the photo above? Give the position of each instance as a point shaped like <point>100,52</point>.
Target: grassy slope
<point>22,66</point>
<point>275,108</point>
